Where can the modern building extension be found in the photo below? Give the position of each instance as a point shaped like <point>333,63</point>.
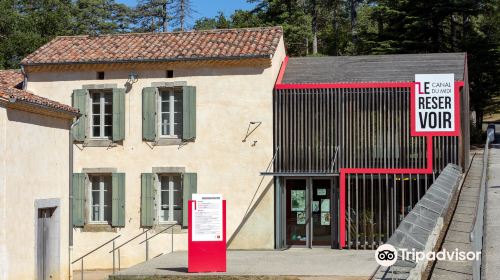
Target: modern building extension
<point>344,143</point>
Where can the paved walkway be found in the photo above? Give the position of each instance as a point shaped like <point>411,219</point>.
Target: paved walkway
<point>457,236</point>
<point>491,245</point>
<point>302,263</point>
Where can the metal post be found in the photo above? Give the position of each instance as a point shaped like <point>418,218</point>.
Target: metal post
<point>113,257</point>
<point>81,272</point>
<point>172,239</point>
<point>119,261</point>
<point>147,247</point>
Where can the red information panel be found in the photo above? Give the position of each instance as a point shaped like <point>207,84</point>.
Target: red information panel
<point>206,256</point>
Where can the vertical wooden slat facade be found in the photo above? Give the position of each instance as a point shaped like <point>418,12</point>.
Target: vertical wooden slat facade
<point>371,128</point>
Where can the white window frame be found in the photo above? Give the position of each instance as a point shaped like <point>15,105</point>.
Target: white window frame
<point>102,201</point>
<point>171,93</point>
<point>171,190</point>
<point>102,115</point>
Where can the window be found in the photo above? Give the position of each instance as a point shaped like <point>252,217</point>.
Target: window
<point>102,115</point>
<point>170,73</point>
<point>100,75</point>
<point>170,113</point>
<point>170,199</point>
<point>100,198</point>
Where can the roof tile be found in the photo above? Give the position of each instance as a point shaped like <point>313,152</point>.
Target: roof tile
<point>209,44</point>
<point>11,87</point>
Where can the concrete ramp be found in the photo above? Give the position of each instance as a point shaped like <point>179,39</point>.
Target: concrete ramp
<point>320,263</point>
<point>457,236</point>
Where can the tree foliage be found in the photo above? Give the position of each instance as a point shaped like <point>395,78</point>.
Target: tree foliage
<point>360,27</point>
<point>311,27</point>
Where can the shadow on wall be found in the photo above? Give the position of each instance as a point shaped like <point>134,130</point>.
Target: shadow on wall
<point>249,212</point>
<point>14,115</point>
<point>150,73</point>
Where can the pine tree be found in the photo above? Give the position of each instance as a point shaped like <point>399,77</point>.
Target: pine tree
<point>182,10</point>
<point>153,15</point>
<point>219,22</point>
<point>100,17</point>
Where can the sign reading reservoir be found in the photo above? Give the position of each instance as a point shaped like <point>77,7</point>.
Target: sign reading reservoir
<point>207,217</point>
<point>434,103</point>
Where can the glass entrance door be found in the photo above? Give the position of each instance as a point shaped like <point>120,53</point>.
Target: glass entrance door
<point>296,212</point>
<point>311,212</point>
<point>321,211</point>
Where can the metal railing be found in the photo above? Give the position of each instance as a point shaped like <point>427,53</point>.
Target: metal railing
<point>117,248</point>
<point>146,240</point>
<point>92,251</point>
<point>477,232</point>
<point>121,245</point>
<point>163,230</point>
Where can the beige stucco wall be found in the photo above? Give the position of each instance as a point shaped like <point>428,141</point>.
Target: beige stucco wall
<point>4,262</point>
<point>228,98</point>
<point>33,166</point>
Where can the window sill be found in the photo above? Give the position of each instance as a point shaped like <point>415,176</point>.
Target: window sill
<point>168,142</point>
<point>98,228</point>
<point>99,143</point>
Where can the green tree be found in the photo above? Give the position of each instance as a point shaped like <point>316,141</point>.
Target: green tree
<point>182,11</point>
<point>26,25</point>
<point>242,19</point>
<point>219,22</point>
<point>100,17</point>
<point>153,15</point>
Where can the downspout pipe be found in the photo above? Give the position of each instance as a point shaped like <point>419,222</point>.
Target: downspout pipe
<point>70,210</point>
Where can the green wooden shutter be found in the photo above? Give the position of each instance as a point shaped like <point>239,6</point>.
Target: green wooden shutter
<point>79,101</point>
<point>118,114</point>
<point>147,200</point>
<point>188,188</point>
<point>78,199</point>
<point>149,113</point>
<point>189,113</point>
<point>118,203</point>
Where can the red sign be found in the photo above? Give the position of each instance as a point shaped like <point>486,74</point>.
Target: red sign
<point>206,256</point>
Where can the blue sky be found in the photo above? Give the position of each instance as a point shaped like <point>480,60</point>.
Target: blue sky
<point>209,8</point>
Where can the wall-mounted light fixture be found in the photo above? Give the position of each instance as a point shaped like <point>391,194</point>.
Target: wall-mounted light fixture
<point>132,77</point>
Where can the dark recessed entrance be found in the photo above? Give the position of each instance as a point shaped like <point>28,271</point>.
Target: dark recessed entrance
<point>311,213</point>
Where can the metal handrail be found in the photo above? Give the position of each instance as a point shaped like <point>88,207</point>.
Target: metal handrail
<point>171,240</point>
<point>163,230</point>
<point>123,244</point>
<point>477,232</point>
<point>145,240</point>
<point>126,242</point>
<point>97,248</point>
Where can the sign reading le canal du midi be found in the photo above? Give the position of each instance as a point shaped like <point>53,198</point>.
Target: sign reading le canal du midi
<point>207,217</point>
<point>434,103</point>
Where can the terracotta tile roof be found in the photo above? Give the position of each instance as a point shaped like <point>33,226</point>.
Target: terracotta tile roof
<point>173,46</point>
<point>11,87</point>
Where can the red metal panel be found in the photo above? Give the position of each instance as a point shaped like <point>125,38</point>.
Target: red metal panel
<point>282,70</point>
<point>206,256</point>
<point>346,85</point>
